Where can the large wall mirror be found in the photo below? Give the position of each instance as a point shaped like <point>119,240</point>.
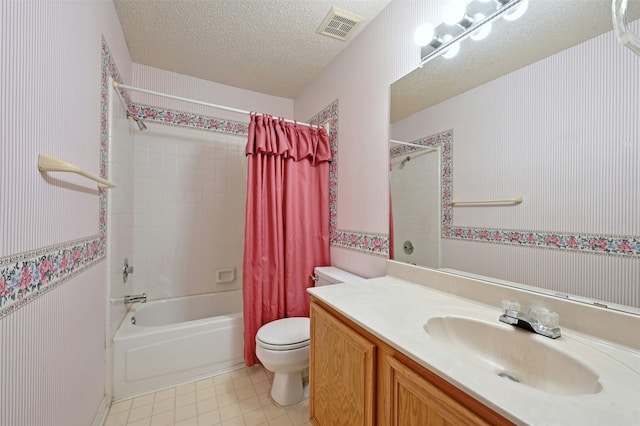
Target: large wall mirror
<point>546,109</point>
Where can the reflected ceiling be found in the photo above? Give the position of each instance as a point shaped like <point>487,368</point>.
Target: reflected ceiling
<point>510,46</point>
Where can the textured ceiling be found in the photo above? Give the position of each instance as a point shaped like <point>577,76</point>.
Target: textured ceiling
<point>267,46</point>
<point>547,27</point>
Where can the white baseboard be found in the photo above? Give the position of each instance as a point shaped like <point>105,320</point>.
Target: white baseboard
<point>101,415</point>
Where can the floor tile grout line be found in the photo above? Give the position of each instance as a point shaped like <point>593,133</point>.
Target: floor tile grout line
<point>258,396</point>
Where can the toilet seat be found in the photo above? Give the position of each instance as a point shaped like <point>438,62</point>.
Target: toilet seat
<point>284,334</point>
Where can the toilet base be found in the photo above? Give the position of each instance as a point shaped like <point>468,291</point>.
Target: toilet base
<point>287,388</point>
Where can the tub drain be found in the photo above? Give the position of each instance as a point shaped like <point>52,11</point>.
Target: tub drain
<point>133,320</point>
<point>508,377</point>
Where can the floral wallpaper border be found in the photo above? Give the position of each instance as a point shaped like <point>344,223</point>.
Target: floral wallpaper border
<point>587,243</point>
<point>26,276</point>
<point>369,243</point>
<point>186,119</point>
<point>627,246</point>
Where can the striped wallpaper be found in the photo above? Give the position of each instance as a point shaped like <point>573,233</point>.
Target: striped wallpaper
<point>52,246</point>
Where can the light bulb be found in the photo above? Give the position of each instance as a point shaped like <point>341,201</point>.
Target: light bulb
<point>454,12</point>
<point>452,50</point>
<point>424,34</point>
<point>516,12</point>
<point>482,32</point>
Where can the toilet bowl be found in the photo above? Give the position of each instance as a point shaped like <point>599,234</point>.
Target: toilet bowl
<point>282,346</point>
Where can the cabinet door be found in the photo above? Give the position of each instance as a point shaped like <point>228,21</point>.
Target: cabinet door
<point>341,373</point>
<point>414,401</point>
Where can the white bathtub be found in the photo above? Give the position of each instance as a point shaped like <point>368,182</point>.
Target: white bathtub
<point>177,340</point>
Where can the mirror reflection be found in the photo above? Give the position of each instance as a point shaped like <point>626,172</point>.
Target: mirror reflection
<point>415,187</point>
<point>556,125</point>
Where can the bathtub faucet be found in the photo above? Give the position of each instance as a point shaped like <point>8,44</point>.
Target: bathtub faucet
<point>135,298</point>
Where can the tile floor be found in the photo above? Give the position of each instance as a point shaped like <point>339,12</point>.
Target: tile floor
<point>239,397</point>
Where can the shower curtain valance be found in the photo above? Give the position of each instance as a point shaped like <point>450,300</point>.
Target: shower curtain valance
<point>275,136</point>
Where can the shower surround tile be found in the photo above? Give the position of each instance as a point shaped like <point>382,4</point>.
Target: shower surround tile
<point>188,209</point>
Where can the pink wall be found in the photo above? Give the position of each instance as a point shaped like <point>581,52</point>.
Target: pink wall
<point>52,348</point>
<point>359,78</point>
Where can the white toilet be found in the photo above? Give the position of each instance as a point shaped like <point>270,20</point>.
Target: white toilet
<point>282,346</point>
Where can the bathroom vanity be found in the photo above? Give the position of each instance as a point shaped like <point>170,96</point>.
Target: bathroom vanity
<point>357,378</point>
<point>398,350</point>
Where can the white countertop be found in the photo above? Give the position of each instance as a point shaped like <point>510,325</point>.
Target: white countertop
<point>396,311</point>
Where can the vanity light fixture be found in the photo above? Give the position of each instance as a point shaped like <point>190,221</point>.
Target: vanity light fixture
<point>455,13</point>
<point>462,19</point>
<point>452,50</point>
<point>424,35</point>
<point>483,32</point>
<point>517,12</point>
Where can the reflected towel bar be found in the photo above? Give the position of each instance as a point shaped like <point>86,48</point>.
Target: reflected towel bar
<point>415,145</point>
<point>50,164</point>
<point>502,202</point>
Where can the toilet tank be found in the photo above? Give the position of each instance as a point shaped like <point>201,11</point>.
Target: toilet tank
<point>331,275</point>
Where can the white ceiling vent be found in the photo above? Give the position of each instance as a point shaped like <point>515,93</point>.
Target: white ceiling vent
<point>339,24</point>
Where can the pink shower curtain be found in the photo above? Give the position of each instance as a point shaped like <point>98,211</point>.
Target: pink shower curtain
<point>287,221</point>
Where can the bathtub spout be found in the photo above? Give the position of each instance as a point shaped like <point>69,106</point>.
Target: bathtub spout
<point>134,298</point>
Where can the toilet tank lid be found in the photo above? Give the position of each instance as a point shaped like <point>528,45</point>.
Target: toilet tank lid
<point>285,331</point>
<point>336,275</point>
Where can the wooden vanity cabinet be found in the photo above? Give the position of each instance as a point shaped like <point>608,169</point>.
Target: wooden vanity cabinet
<point>357,379</point>
<point>342,367</point>
<point>413,399</point>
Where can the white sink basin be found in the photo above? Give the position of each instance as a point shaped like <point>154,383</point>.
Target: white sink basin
<point>514,354</point>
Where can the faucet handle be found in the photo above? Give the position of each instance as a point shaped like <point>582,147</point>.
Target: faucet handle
<point>510,305</point>
<point>548,318</point>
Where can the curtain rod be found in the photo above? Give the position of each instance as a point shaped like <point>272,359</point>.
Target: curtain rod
<point>193,101</point>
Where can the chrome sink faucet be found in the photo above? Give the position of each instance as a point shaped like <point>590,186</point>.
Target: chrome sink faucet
<point>134,298</point>
<point>541,321</point>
